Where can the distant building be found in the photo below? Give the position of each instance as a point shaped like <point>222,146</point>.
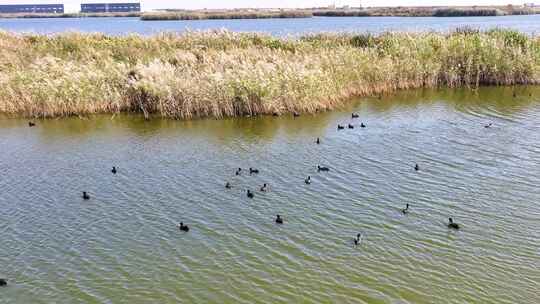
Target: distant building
<point>32,8</point>
<point>110,7</point>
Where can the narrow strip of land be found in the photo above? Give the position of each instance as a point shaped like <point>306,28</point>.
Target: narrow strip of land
<point>401,11</point>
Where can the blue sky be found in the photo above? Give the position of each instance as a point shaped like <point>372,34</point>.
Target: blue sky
<point>73,5</point>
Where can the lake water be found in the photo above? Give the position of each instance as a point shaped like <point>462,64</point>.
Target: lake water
<point>280,27</point>
<point>122,245</point>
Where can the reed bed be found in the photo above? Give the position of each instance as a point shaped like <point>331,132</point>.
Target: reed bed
<point>400,11</point>
<point>453,12</point>
<point>433,11</point>
<point>222,73</point>
<point>228,14</point>
<point>342,13</point>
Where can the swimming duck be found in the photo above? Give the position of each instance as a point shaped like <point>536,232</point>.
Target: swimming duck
<point>452,225</point>
<point>250,194</point>
<point>239,171</point>
<point>357,239</point>
<point>279,220</point>
<point>308,180</point>
<point>416,167</point>
<point>113,170</point>
<point>318,141</point>
<point>319,168</point>
<point>228,185</point>
<point>85,196</point>
<point>340,127</point>
<point>31,124</point>
<point>296,114</point>
<point>488,125</point>
<point>354,115</point>
<point>264,188</point>
<point>350,126</point>
<point>253,171</point>
<point>362,125</point>
<point>275,114</point>
<point>183,227</point>
<point>406,210</point>
<point>3,282</point>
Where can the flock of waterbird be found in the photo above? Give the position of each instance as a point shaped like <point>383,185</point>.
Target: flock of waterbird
<point>279,219</point>
<point>264,188</point>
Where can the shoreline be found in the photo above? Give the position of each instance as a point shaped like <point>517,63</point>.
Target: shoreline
<point>68,15</point>
<point>523,91</point>
<point>209,14</point>
<point>225,74</point>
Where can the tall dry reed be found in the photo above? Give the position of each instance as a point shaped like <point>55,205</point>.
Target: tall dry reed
<point>224,14</point>
<point>221,73</point>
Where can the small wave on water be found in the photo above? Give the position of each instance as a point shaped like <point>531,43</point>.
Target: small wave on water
<point>122,245</point>
<point>278,27</point>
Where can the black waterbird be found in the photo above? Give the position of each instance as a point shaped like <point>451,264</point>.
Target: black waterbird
<point>319,168</point>
<point>406,210</point>
<point>452,225</point>
<point>253,171</point>
<point>85,196</point>
<point>357,239</point>
<point>183,227</point>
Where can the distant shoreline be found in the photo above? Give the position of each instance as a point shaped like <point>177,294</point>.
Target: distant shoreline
<point>432,11</point>
<point>68,15</point>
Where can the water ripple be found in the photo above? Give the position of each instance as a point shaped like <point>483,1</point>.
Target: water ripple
<point>123,244</point>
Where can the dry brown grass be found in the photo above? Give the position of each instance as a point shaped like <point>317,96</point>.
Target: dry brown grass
<point>220,73</point>
<point>224,14</point>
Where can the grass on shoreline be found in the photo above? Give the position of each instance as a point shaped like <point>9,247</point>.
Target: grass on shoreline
<point>399,11</point>
<point>225,14</point>
<point>367,12</point>
<point>221,73</point>
<point>452,12</point>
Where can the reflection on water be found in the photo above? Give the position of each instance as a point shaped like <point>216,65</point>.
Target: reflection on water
<point>123,245</point>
